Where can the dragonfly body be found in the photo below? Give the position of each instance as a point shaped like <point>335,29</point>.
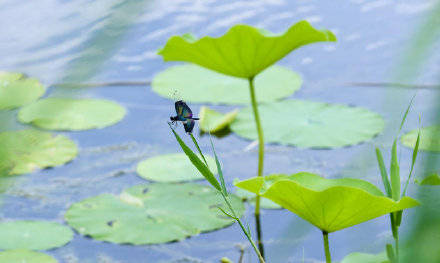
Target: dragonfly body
<point>184,115</point>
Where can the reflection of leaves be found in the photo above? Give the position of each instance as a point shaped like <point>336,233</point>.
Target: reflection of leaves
<point>105,41</point>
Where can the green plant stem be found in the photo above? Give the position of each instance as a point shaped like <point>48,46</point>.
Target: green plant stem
<point>328,258</point>
<point>260,159</point>
<point>198,148</point>
<point>248,235</point>
<point>397,245</point>
<point>395,231</point>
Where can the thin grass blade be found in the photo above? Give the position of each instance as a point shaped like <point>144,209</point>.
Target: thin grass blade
<point>383,173</point>
<point>219,169</point>
<point>195,160</point>
<point>198,149</point>
<point>413,161</point>
<point>226,213</point>
<point>395,173</point>
<point>406,112</point>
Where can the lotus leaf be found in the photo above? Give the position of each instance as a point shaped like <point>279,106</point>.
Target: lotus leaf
<point>25,256</point>
<point>17,90</point>
<point>214,121</point>
<point>196,84</point>
<point>26,150</point>
<point>250,197</point>
<point>329,204</point>
<point>71,114</point>
<point>152,213</point>
<point>36,235</point>
<point>357,257</point>
<point>310,124</point>
<point>429,138</point>
<point>172,168</point>
<point>243,51</point>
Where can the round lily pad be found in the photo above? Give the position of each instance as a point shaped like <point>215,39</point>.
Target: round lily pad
<point>429,138</point>
<point>25,256</point>
<point>196,84</point>
<point>151,213</point>
<point>27,150</point>
<point>310,124</point>
<point>357,257</point>
<point>71,114</point>
<point>17,90</point>
<point>172,168</point>
<point>214,121</point>
<point>36,235</point>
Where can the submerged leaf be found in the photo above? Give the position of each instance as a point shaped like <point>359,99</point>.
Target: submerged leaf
<point>243,51</point>
<point>17,90</point>
<point>169,212</point>
<point>357,257</point>
<point>197,84</point>
<point>171,168</point>
<point>25,256</point>
<point>310,124</point>
<point>72,114</point>
<point>429,138</point>
<point>214,121</point>
<point>27,150</point>
<point>36,235</point>
<point>329,204</point>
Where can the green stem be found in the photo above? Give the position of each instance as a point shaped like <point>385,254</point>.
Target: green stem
<point>328,258</point>
<point>198,148</point>
<point>397,245</point>
<point>260,159</point>
<point>248,235</point>
<point>395,231</point>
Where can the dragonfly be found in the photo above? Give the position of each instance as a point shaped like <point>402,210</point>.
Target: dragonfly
<point>184,115</point>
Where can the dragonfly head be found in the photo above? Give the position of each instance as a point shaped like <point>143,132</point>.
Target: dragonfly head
<point>173,118</point>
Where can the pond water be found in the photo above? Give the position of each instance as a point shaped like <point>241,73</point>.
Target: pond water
<point>102,41</point>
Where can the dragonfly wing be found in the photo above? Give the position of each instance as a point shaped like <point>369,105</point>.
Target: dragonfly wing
<point>183,110</point>
<point>189,125</point>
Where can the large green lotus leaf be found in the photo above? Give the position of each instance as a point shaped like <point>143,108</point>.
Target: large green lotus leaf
<point>16,90</point>
<point>214,121</point>
<point>25,256</point>
<point>196,84</point>
<point>27,150</point>
<point>152,213</point>
<point>243,51</point>
<point>36,235</point>
<point>172,168</point>
<point>329,204</point>
<point>429,138</point>
<point>357,257</point>
<point>71,114</point>
<point>250,197</point>
<point>310,124</point>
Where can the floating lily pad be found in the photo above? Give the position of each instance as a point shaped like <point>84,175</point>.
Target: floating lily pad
<point>244,51</point>
<point>36,235</point>
<point>25,256</point>
<point>151,213</point>
<point>172,168</point>
<point>310,124</point>
<point>214,121</point>
<point>433,179</point>
<point>196,84</point>
<point>250,197</point>
<point>357,257</point>
<point>71,114</point>
<point>27,150</point>
<point>17,90</point>
<point>429,138</point>
<point>329,204</point>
